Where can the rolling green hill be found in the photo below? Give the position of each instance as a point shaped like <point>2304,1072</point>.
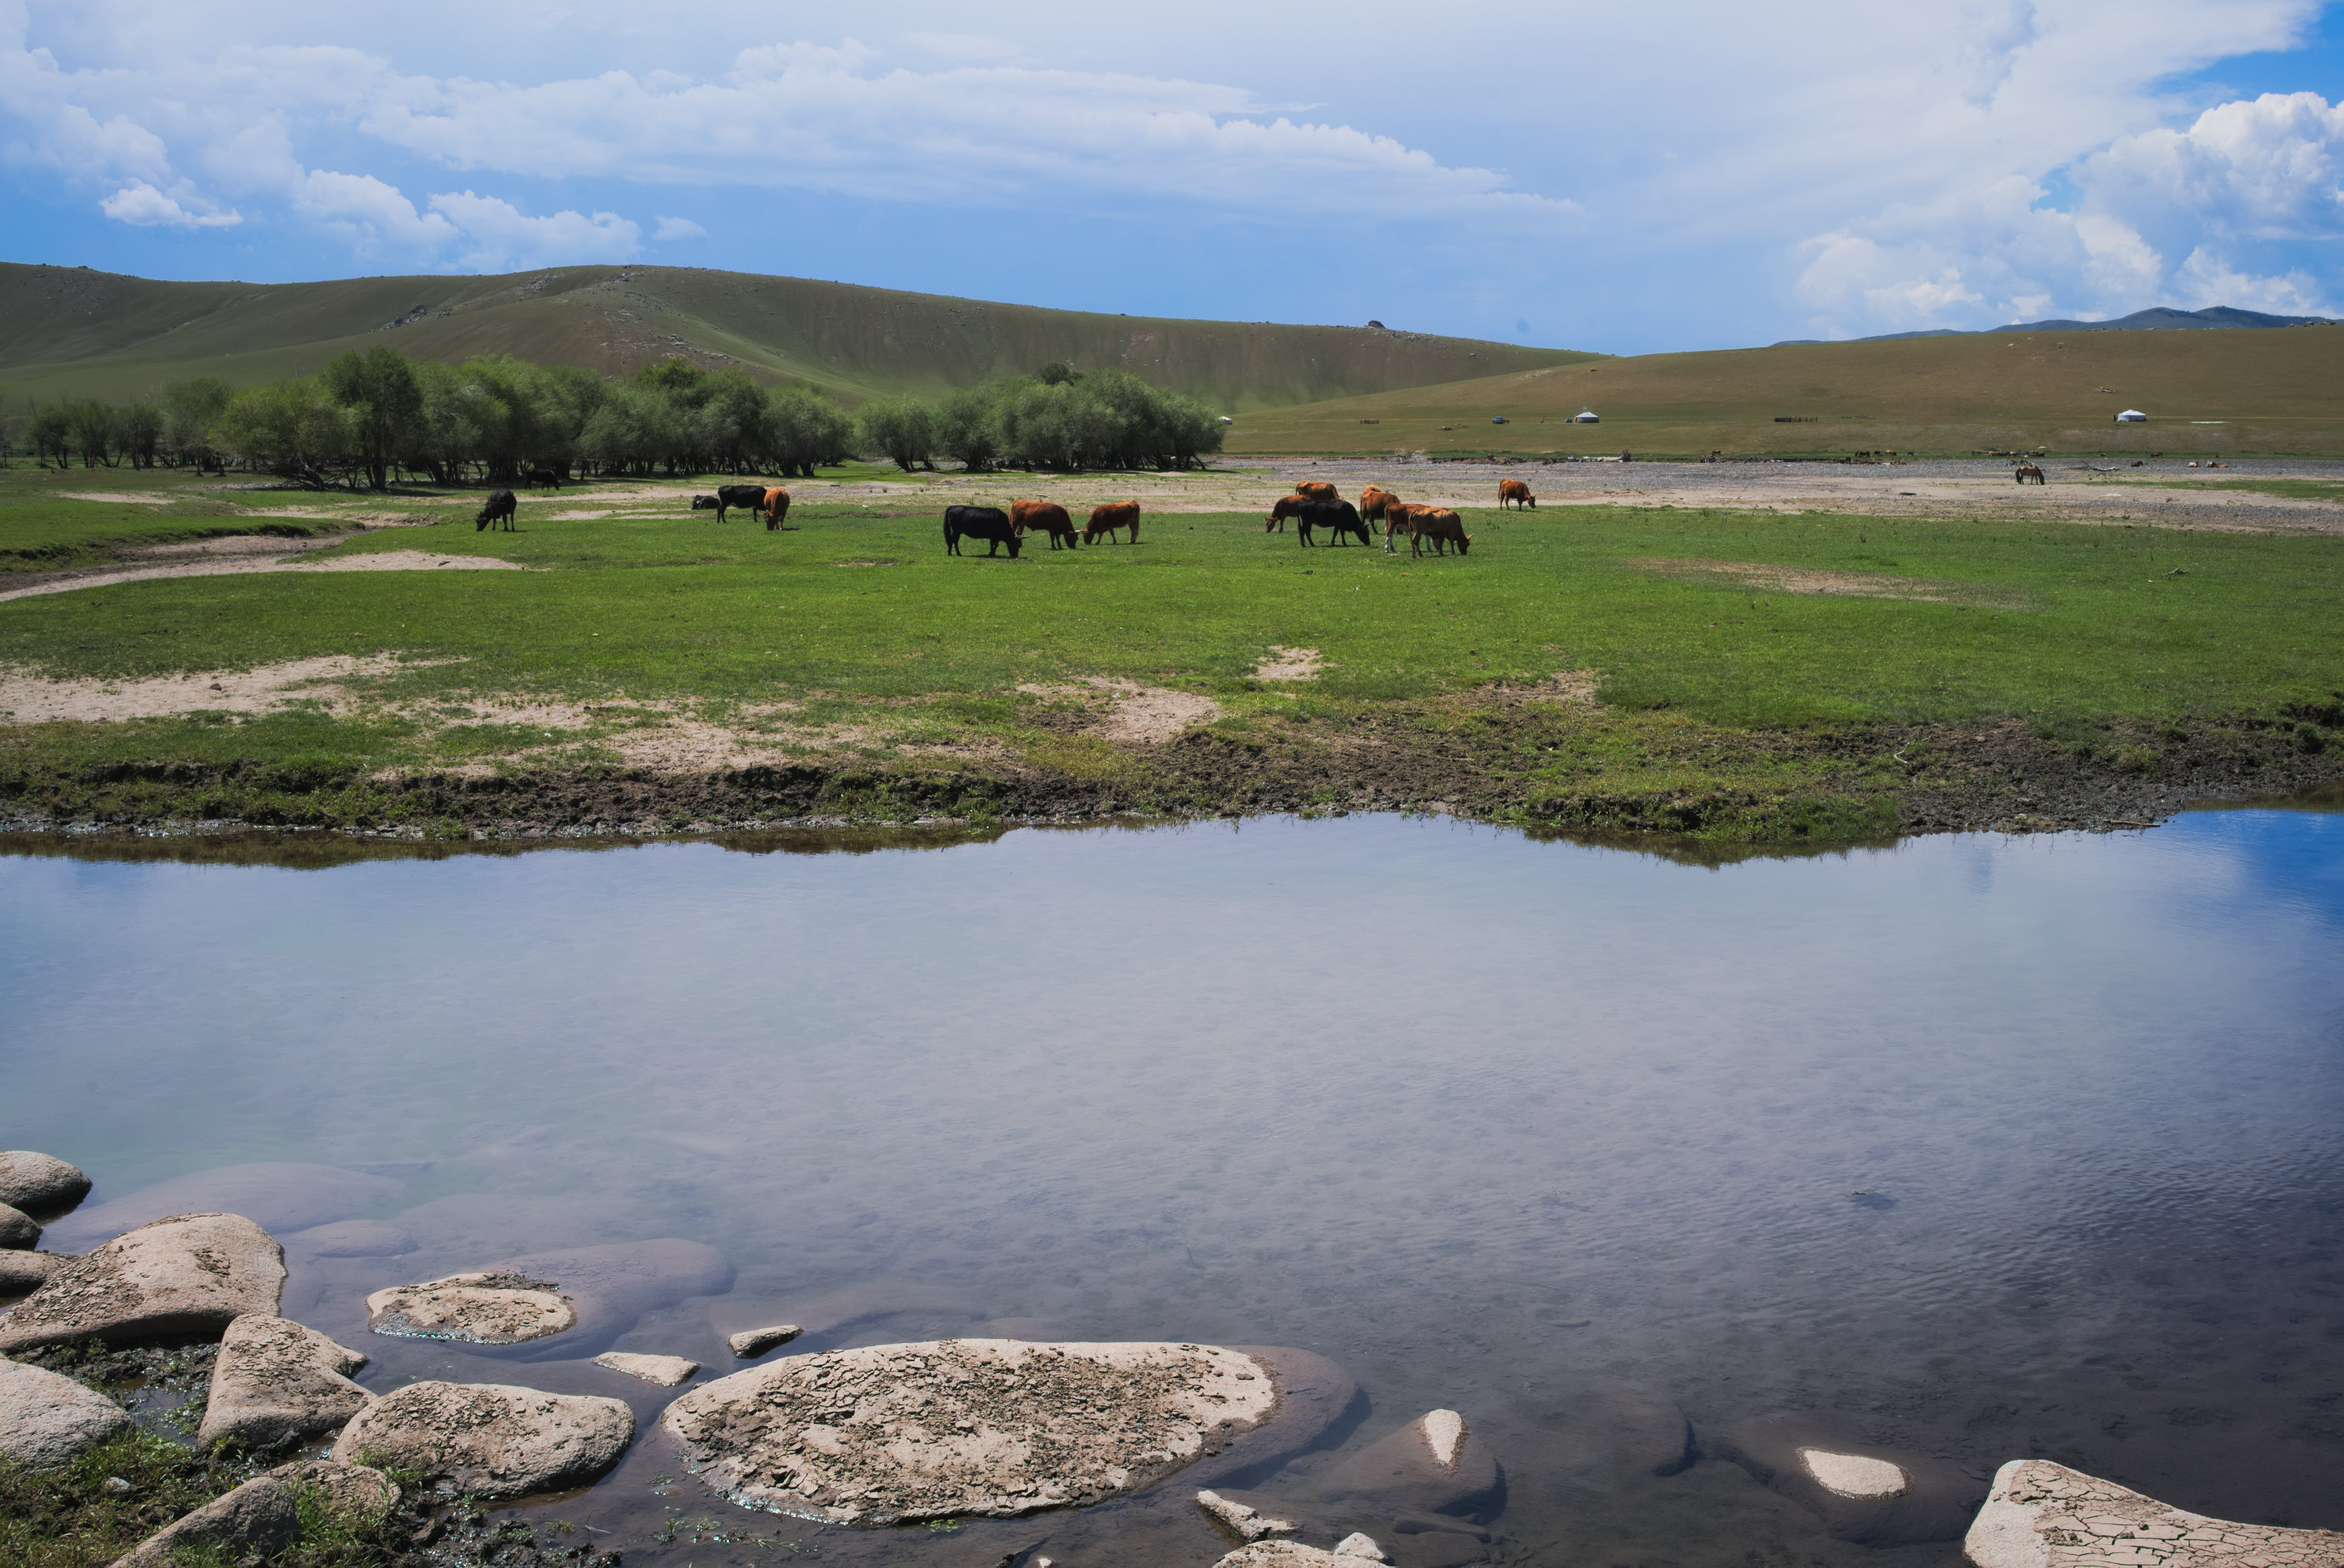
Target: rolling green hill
<point>75,332</point>
<point>2273,390</point>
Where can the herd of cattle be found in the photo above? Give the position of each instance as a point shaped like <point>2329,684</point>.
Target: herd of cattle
<point>1314,505</point>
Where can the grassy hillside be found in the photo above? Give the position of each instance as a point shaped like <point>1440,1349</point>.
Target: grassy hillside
<point>2277,390</point>
<point>70,331</point>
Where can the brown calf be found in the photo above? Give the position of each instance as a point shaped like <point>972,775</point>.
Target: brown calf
<point>1515,491</point>
<point>1439,524</point>
<point>1372,501</point>
<point>1048,517</point>
<point>775,507</point>
<point>1106,519</point>
<point>1317,490</point>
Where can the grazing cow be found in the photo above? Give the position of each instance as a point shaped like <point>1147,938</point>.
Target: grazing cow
<point>538,476</point>
<point>1515,491</point>
<point>1339,515</point>
<point>2025,471</point>
<point>1045,515</point>
<point>1106,519</point>
<point>1317,490</point>
<point>1396,515</point>
<point>776,508</point>
<point>1421,523</point>
<point>705,503</point>
<point>1372,501</point>
<point>751,497</point>
<point>986,522</point>
<point>501,508</point>
<point>1281,511</point>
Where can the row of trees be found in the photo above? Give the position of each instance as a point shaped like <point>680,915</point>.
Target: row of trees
<point>371,416</point>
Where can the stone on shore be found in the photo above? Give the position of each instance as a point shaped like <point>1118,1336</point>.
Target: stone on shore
<point>263,1515</point>
<point>491,1440</point>
<point>487,1307</point>
<point>22,1273</point>
<point>186,1277</point>
<point>276,1381</point>
<point>1348,1552</point>
<point>1845,1467</point>
<point>352,1238</point>
<point>39,1183</point>
<point>665,1370</point>
<point>881,1434</point>
<point>1241,1520</point>
<point>18,1230</point>
<point>2039,1515</point>
<point>46,1419</point>
<point>1435,1464</point>
<point>751,1343</point>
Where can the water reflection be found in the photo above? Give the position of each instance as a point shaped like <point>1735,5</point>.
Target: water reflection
<point>2024,1147</point>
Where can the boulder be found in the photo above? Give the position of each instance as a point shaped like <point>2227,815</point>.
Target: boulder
<point>2038,1514</point>
<point>490,1308</point>
<point>263,1515</point>
<point>491,1439</point>
<point>18,1230</point>
<point>276,1381</point>
<point>186,1277</point>
<point>39,1183</point>
<point>665,1370</point>
<point>352,1238</point>
<point>1349,1553</point>
<point>1435,1464</point>
<point>1866,1488</point>
<point>46,1419</point>
<point>22,1273</point>
<point>751,1343</point>
<point>277,1196</point>
<point>1240,1520</point>
<point>881,1434</point>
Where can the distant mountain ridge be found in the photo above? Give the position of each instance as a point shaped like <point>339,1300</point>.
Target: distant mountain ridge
<point>2155,319</point>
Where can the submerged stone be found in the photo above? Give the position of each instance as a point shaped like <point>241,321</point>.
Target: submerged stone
<point>1241,1520</point>
<point>39,1184</point>
<point>188,1276</point>
<point>18,1230</point>
<point>1854,1474</point>
<point>1434,1464</point>
<point>2039,1515</point>
<point>751,1343</point>
<point>491,1439</point>
<point>665,1370</point>
<point>282,1197</point>
<point>352,1238</point>
<point>45,1418</point>
<point>276,1381</point>
<point>1858,1474</point>
<point>964,1428</point>
<point>487,1307</point>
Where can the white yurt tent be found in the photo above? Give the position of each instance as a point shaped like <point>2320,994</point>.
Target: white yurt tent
<point>2132,417</point>
<point>1587,416</point>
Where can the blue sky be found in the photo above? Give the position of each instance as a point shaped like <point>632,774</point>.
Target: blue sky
<point>1606,175</point>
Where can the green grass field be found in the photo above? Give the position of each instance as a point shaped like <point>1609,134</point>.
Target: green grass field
<point>1721,644</point>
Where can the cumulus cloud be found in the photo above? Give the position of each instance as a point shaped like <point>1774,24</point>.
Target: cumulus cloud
<point>678,228</point>
<point>501,238</point>
<point>141,205</point>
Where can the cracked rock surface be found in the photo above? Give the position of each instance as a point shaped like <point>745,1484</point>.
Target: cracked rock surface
<point>46,1419</point>
<point>977,1428</point>
<point>480,1308</point>
<point>1349,1553</point>
<point>191,1275</point>
<point>491,1440</point>
<point>276,1381</point>
<point>2044,1515</point>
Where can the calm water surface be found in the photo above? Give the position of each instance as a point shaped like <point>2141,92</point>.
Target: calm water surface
<point>2026,1147</point>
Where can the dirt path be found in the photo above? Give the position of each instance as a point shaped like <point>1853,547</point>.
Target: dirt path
<point>243,553</point>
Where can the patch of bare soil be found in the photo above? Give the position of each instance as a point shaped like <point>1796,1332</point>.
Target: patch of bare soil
<point>31,700</point>
<point>276,559</point>
<point>1573,686</point>
<point>1129,712</point>
<point>1288,664</point>
<point>1774,579</point>
<point>135,498</point>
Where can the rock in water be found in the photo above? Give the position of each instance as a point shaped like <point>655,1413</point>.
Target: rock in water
<point>665,1370</point>
<point>280,1197</point>
<point>46,1419</point>
<point>751,1343</point>
<point>1349,1553</point>
<point>22,1273</point>
<point>484,1309</point>
<point>352,1238</point>
<point>183,1277</point>
<point>1240,1520</point>
<point>2039,1515</point>
<point>491,1439</point>
<point>39,1183</point>
<point>1868,1490</point>
<point>1435,1464</point>
<point>263,1515</point>
<point>18,1230</point>
<point>276,1381</point>
<point>946,1428</point>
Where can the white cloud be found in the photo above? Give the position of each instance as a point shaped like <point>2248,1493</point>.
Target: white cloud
<point>503,237</point>
<point>141,205</point>
<point>678,228</point>
<point>368,212</point>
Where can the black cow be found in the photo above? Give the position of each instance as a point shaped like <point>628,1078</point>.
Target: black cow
<point>986,522</point>
<point>499,508</point>
<point>729,496</point>
<point>536,476</point>
<point>704,504</point>
<point>1339,516</point>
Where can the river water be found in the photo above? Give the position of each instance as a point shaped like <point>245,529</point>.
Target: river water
<point>2004,1147</point>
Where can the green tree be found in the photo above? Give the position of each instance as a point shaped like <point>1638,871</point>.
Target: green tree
<point>49,432</point>
<point>378,389</point>
<point>95,431</point>
<point>290,427</point>
<point>900,428</point>
<point>190,409</point>
<point>966,429</point>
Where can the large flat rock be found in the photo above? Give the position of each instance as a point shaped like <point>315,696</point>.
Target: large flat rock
<point>263,1515</point>
<point>39,1184</point>
<point>490,1306</point>
<point>276,1382</point>
<point>964,1428</point>
<point>188,1276</point>
<point>489,1439</point>
<point>2039,1515</point>
<point>46,1419</point>
<point>282,1197</point>
<point>589,1295</point>
<point>1844,1467</point>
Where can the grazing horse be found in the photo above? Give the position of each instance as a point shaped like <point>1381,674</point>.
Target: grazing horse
<point>1106,519</point>
<point>2025,471</point>
<point>986,522</point>
<point>1515,491</point>
<point>1317,490</point>
<point>1048,516</point>
<point>501,508</point>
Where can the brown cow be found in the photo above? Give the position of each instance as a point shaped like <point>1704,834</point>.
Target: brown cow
<point>1396,520</point>
<point>1106,519</point>
<point>1048,516</point>
<point>1286,507</point>
<point>1515,491</point>
<point>1372,501</point>
<point>777,507</point>
<point>1317,490</point>
<point>1439,525</point>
